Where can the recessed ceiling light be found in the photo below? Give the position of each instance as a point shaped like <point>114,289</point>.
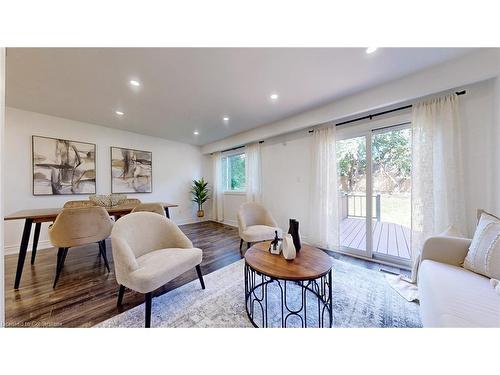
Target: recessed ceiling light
<point>119,113</point>
<point>225,119</point>
<point>135,83</point>
<point>274,96</point>
<point>196,132</point>
<point>371,49</point>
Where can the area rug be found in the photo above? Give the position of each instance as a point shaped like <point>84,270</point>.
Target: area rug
<point>361,298</point>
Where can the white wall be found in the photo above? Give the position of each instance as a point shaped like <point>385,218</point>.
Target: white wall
<point>286,164</point>
<point>2,116</point>
<point>175,165</point>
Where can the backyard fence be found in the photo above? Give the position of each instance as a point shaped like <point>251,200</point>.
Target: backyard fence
<point>354,205</point>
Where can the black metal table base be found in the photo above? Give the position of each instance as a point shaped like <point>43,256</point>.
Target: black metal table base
<point>315,299</point>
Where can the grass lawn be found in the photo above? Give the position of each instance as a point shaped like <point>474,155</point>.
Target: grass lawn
<point>396,208</point>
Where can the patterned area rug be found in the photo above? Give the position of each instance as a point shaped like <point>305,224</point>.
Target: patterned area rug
<point>361,298</point>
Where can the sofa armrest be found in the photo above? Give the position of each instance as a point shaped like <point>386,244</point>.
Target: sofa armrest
<point>445,249</point>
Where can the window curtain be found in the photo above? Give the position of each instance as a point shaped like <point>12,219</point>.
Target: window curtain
<point>437,171</point>
<point>324,216</point>
<point>253,171</point>
<point>217,189</point>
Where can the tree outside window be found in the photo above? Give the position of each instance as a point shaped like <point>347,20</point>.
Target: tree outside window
<point>234,177</point>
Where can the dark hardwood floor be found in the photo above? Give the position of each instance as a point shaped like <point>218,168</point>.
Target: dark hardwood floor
<point>86,293</point>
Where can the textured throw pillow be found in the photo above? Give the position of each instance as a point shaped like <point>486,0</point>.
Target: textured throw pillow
<point>484,252</point>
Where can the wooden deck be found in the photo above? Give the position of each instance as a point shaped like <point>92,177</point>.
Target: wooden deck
<point>388,238</point>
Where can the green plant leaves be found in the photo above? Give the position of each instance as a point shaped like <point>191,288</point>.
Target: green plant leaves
<point>199,190</point>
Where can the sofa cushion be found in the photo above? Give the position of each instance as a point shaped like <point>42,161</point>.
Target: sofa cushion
<point>452,296</point>
<point>484,252</point>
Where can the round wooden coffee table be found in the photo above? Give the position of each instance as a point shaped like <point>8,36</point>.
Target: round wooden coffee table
<point>278,291</point>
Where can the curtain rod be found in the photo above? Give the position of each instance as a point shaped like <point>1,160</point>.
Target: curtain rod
<point>234,148</point>
<point>463,92</point>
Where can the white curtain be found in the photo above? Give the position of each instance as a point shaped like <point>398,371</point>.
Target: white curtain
<point>437,171</point>
<point>253,172</point>
<point>217,189</point>
<point>324,217</point>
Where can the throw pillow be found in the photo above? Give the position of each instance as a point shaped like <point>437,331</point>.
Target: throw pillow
<point>484,252</point>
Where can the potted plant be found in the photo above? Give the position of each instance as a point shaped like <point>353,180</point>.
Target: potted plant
<point>200,194</point>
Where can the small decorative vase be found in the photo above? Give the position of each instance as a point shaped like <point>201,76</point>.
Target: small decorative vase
<point>294,231</point>
<point>275,245</point>
<point>288,248</point>
<point>200,213</point>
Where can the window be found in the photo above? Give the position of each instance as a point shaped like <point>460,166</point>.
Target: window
<point>233,172</point>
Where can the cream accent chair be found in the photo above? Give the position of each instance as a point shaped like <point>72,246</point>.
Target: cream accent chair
<point>148,251</point>
<point>157,208</point>
<point>79,226</point>
<point>255,224</point>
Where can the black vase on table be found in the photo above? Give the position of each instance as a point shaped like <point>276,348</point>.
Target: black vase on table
<point>294,231</point>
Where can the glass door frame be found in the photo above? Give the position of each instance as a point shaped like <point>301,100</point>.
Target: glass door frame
<point>367,129</point>
<point>386,257</point>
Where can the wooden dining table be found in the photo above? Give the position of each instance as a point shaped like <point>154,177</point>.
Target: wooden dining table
<point>44,215</point>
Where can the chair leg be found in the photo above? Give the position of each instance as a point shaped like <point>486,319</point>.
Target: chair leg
<point>241,243</point>
<point>148,301</point>
<point>60,252</point>
<point>200,276</point>
<point>61,257</point>
<point>121,291</point>
<point>102,250</point>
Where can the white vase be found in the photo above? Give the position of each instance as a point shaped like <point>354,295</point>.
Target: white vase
<point>288,250</point>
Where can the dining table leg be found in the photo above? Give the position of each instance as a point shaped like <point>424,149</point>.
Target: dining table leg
<point>22,251</point>
<point>36,236</point>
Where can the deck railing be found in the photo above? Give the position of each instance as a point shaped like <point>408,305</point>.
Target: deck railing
<point>354,205</point>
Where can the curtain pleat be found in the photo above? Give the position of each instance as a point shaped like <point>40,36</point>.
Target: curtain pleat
<point>324,216</point>
<point>217,189</point>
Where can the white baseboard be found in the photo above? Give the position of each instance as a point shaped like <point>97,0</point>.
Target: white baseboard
<point>14,249</point>
<point>231,223</point>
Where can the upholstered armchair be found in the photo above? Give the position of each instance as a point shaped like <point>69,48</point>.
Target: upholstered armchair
<point>157,208</point>
<point>255,224</point>
<point>79,226</point>
<point>149,250</point>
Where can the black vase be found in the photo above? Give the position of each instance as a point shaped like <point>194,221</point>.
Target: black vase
<point>294,231</point>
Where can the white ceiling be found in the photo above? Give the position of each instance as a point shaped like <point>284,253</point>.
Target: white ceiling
<point>188,89</point>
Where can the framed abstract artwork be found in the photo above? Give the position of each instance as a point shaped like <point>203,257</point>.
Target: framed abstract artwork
<point>131,171</point>
<point>63,167</point>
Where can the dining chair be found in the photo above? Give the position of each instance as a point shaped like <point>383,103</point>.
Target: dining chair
<point>157,208</point>
<point>79,204</point>
<point>79,226</point>
<point>68,204</point>
<point>127,202</point>
<point>256,224</point>
<point>149,250</point>
<point>130,202</point>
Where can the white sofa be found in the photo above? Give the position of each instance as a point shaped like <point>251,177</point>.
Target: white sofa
<point>450,295</point>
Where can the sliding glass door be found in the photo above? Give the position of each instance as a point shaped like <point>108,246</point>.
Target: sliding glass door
<point>375,193</point>
<point>391,181</point>
<point>353,206</point>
